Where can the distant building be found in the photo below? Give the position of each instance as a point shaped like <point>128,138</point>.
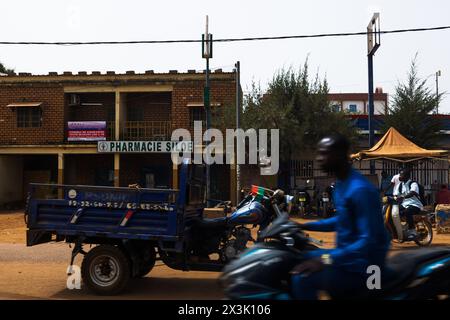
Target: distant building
<point>357,103</point>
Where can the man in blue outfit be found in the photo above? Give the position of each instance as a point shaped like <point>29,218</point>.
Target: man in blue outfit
<point>361,238</point>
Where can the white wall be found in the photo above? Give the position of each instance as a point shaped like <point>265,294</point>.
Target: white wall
<point>11,178</point>
<point>379,107</point>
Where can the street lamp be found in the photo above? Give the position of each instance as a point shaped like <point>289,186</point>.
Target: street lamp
<point>438,74</point>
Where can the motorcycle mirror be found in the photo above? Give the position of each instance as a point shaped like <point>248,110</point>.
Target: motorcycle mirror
<point>278,193</point>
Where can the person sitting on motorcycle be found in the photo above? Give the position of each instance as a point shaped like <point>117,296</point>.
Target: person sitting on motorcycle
<point>408,193</point>
<point>361,238</point>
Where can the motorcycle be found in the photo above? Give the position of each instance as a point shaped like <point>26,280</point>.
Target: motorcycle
<point>397,226</point>
<point>262,271</point>
<point>227,236</point>
<point>326,207</point>
<point>302,203</point>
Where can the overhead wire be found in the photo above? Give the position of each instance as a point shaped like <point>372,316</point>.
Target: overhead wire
<point>322,35</point>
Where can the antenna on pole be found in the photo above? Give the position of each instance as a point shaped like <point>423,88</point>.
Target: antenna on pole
<point>207,42</point>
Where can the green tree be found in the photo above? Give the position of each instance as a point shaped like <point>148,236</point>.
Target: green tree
<point>411,109</point>
<point>5,70</point>
<point>296,105</point>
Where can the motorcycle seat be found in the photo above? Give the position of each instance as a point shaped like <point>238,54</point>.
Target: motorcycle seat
<point>212,222</point>
<point>401,266</point>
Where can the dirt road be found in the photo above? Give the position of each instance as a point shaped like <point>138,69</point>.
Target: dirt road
<point>39,272</point>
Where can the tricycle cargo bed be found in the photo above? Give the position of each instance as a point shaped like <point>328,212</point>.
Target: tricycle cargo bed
<point>124,213</point>
<point>93,214</point>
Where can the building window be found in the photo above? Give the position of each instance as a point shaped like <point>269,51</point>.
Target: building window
<point>303,168</point>
<point>336,108</point>
<point>197,114</point>
<point>29,117</point>
<point>352,108</point>
<point>135,113</point>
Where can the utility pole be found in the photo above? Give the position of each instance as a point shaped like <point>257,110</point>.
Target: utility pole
<point>238,122</point>
<point>438,74</point>
<point>373,42</point>
<point>207,54</point>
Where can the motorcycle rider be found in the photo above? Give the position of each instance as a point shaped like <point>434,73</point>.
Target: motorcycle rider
<point>408,193</point>
<point>361,238</point>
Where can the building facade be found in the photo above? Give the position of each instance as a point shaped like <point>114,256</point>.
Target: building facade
<point>357,103</point>
<point>37,112</point>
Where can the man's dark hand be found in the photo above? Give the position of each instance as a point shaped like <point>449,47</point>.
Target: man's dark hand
<point>308,266</point>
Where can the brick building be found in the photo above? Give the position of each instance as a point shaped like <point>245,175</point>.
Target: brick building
<point>35,111</point>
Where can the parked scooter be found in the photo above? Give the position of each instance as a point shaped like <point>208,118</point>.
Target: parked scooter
<point>397,226</point>
<point>262,272</point>
<point>326,202</point>
<point>301,203</point>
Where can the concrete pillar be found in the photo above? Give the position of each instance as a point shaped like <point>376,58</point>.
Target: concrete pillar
<point>174,176</point>
<point>60,168</point>
<point>117,117</point>
<point>233,184</point>
<point>120,113</point>
<point>60,174</point>
<point>116,169</point>
<point>120,118</point>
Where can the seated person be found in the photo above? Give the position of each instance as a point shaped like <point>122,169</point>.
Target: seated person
<point>408,192</point>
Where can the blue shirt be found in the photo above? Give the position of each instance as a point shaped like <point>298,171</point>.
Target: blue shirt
<point>361,238</point>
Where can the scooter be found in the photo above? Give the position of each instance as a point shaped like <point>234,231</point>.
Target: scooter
<point>262,271</point>
<point>397,226</point>
<point>303,203</point>
<point>326,205</point>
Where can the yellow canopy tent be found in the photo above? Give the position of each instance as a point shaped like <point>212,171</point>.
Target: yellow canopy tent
<point>394,146</point>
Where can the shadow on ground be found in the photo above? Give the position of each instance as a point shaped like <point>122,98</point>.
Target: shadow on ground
<point>157,289</point>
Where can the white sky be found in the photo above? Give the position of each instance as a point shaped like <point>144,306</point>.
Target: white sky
<point>342,60</point>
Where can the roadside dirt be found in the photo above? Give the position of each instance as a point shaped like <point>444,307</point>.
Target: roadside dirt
<point>12,227</point>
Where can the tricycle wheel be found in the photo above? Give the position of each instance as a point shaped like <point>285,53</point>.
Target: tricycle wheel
<point>105,270</point>
<point>147,263</point>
